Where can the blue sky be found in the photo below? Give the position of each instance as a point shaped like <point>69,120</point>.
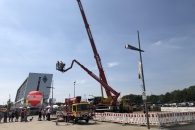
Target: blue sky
<point>35,34</point>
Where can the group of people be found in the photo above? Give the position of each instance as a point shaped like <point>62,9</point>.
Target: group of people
<point>9,115</point>
<point>44,113</point>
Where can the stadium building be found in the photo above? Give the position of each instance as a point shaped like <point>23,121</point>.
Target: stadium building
<point>34,82</point>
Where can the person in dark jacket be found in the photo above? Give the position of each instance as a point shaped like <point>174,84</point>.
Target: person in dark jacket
<point>22,115</point>
<point>12,116</point>
<point>17,115</point>
<point>1,116</point>
<point>5,116</point>
<point>48,114</point>
<point>40,114</point>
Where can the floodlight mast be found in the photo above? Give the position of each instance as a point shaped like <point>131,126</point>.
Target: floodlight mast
<point>133,48</point>
<point>60,67</point>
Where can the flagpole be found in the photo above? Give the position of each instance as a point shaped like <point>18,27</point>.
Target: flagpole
<point>142,74</point>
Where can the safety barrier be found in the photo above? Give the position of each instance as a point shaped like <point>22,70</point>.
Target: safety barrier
<point>176,118</point>
<point>177,109</point>
<point>126,118</point>
<point>156,119</point>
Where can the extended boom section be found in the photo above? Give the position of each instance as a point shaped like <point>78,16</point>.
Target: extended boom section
<point>96,55</point>
<point>60,66</point>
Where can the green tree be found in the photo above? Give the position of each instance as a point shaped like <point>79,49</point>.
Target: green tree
<point>191,93</point>
<point>135,99</point>
<point>167,97</point>
<point>162,98</point>
<point>9,104</point>
<point>176,96</point>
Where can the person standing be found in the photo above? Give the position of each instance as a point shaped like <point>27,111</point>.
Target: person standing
<point>10,115</point>
<point>1,116</point>
<point>25,115</point>
<point>16,115</point>
<point>5,116</point>
<point>43,114</point>
<point>22,115</point>
<point>40,114</point>
<point>48,114</point>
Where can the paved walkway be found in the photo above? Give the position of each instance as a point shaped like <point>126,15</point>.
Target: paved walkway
<point>50,125</point>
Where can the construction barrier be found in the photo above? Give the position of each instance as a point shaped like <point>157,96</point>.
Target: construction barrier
<point>177,109</point>
<point>156,119</point>
<point>176,118</point>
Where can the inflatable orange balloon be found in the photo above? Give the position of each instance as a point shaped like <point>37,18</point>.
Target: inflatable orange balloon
<point>34,97</point>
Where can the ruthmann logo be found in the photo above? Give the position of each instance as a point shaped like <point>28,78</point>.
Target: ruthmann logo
<point>34,97</point>
<point>44,79</point>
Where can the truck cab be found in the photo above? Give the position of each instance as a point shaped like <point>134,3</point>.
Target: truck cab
<point>80,111</point>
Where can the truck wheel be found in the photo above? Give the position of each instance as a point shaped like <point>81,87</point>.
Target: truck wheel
<point>87,120</point>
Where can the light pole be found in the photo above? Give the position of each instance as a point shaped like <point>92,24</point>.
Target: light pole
<point>74,88</point>
<point>142,74</point>
<point>51,92</point>
<point>44,103</point>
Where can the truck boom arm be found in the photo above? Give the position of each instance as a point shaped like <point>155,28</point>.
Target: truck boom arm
<point>96,55</point>
<point>107,87</point>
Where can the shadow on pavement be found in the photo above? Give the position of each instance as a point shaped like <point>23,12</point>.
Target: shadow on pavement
<point>180,127</point>
<point>78,123</point>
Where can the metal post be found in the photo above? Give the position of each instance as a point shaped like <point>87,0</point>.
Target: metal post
<point>74,88</point>
<point>43,100</point>
<point>52,96</point>
<point>143,81</point>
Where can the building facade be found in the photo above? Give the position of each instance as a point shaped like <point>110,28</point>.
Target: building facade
<point>34,82</point>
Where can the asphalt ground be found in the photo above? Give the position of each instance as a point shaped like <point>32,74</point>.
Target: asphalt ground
<point>91,125</point>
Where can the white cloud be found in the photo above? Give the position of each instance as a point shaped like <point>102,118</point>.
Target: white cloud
<point>174,47</point>
<point>80,81</point>
<point>167,43</point>
<point>178,39</point>
<point>173,39</point>
<point>158,43</point>
<point>112,64</point>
